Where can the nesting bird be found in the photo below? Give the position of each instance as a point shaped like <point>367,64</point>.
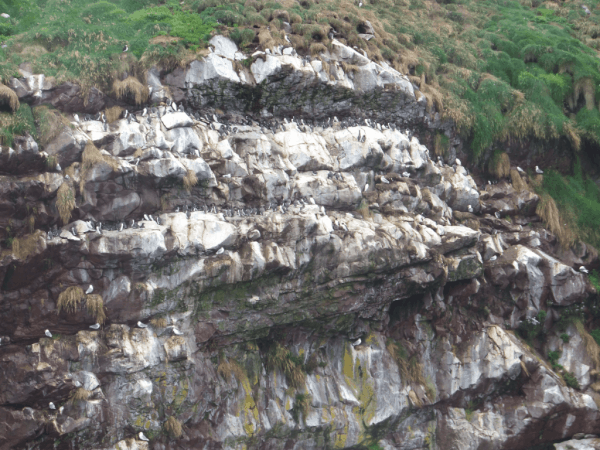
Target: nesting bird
<point>520,170</point>
<point>220,251</point>
<point>47,333</point>
<point>143,437</point>
<point>176,332</point>
<point>494,258</point>
<point>90,289</point>
<point>356,342</point>
<point>51,405</point>
<point>95,326</point>
<point>538,170</point>
<point>470,208</point>
<point>142,325</point>
<point>582,269</point>
<point>384,180</point>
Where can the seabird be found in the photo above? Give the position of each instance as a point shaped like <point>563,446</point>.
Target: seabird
<point>221,250</point>
<point>58,168</point>
<point>520,170</point>
<point>47,333</point>
<point>287,39</point>
<point>356,342</point>
<point>311,200</point>
<point>77,383</point>
<point>121,227</point>
<point>583,269</point>
<point>146,217</point>
<point>142,325</point>
<point>494,258</point>
<point>538,170</point>
<point>457,161</point>
<point>497,214</point>
<point>176,332</point>
<point>51,405</point>
<point>95,326</point>
<point>126,48</point>
<point>366,187</point>
<point>469,208</point>
<point>143,437</point>
<point>73,231</point>
<point>90,289</point>
<point>76,117</point>
<point>406,174</point>
<point>384,180</point>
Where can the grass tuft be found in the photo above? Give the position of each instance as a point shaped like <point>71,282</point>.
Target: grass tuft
<point>79,395</point>
<point>26,246</point>
<point>70,299</point>
<point>158,322</point>
<point>89,158</point>
<point>130,89</point>
<point>9,98</point>
<point>190,180</point>
<point>95,307</point>
<point>280,358</point>
<point>173,427</point>
<point>113,113</point>
<point>65,201</point>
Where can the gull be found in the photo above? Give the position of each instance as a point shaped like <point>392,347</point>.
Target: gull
<point>221,250</point>
<point>58,168</point>
<point>583,269</point>
<point>384,180</point>
<point>142,325</point>
<point>176,332</point>
<point>366,187</point>
<point>76,117</point>
<point>494,258</point>
<point>143,437</point>
<point>47,333</point>
<point>497,214</point>
<point>406,174</point>
<point>90,289</point>
<point>77,383</point>
<point>287,39</point>
<point>311,200</point>
<point>469,208</point>
<point>356,342</point>
<point>457,161</point>
<point>538,170</point>
<point>51,405</point>
<point>520,170</point>
<point>95,326</point>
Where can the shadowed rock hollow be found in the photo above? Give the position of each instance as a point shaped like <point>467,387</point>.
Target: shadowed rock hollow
<point>255,237</point>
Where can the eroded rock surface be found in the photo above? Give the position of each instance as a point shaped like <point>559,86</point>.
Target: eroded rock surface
<point>277,285</point>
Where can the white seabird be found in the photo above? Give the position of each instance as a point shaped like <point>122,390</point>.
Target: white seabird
<point>95,326</point>
<point>47,333</point>
<point>457,161</point>
<point>221,250</point>
<point>176,332</point>
<point>143,437</point>
<point>384,180</point>
<point>520,170</point>
<point>311,200</point>
<point>494,258</point>
<point>356,342</point>
<point>538,170</point>
<point>406,174</point>
<point>51,405</point>
<point>90,289</point>
<point>366,187</point>
<point>582,269</point>
<point>142,325</point>
<point>470,208</point>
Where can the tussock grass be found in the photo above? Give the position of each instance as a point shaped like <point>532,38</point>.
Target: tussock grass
<point>441,144</point>
<point>9,98</point>
<point>280,358</point>
<point>226,368</point>
<point>15,124</point>
<point>190,180</point>
<point>95,307</point>
<point>158,322</point>
<point>173,427</point>
<point>113,113</point>
<point>79,395</point>
<point>65,201</point>
<point>549,213</point>
<point>131,88</point>
<point>26,246</point>
<point>49,122</point>
<point>70,299</point>
<point>517,182</point>
<point>499,165</point>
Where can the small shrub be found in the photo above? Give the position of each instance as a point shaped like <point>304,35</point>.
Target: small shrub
<point>564,337</point>
<point>226,368</point>
<point>95,307</point>
<point>79,395</point>
<point>158,322</point>
<point>173,427</point>
<point>571,380</point>
<point>242,36</point>
<point>130,88</point>
<point>301,405</point>
<point>25,246</point>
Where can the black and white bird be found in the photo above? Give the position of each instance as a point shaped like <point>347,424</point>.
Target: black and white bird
<point>58,168</point>
<point>47,333</point>
<point>366,187</point>
<point>90,289</point>
<point>126,48</point>
<point>312,201</point>
<point>95,326</point>
<point>494,258</point>
<point>143,437</point>
<point>142,325</point>
<point>538,170</point>
<point>582,269</point>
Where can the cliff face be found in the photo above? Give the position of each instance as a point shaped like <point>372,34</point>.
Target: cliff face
<point>239,258</point>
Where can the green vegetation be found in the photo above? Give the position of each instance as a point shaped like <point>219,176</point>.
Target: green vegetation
<point>280,358</point>
<point>564,337</point>
<point>569,378</point>
<point>596,335</point>
<point>533,327</point>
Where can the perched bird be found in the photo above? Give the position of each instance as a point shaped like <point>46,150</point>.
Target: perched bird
<point>384,180</point>
<point>221,250</point>
<point>469,208</point>
<point>497,214</point>
<point>538,170</point>
<point>311,200</point>
<point>73,231</point>
<point>142,325</point>
<point>520,170</point>
<point>494,258</point>
<point>366,187</point>
<point>287,39</point>
<point>457,161</point>
<point>176,332</point>
<point>77,383</point>
<point>356,342</point>
<point>76,117</point>
<point>58,168</point>
<point>47,333</point>
<point>144,112</point>
<point>95,326</point>
<point>51,405</point>
<point>583,269</point>
<point>143,437</point>
<point>90,289</point>
<point>406,174</point>
<point>126,48</point>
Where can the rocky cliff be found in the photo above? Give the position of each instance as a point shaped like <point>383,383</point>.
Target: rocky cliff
<point>279,263</point>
